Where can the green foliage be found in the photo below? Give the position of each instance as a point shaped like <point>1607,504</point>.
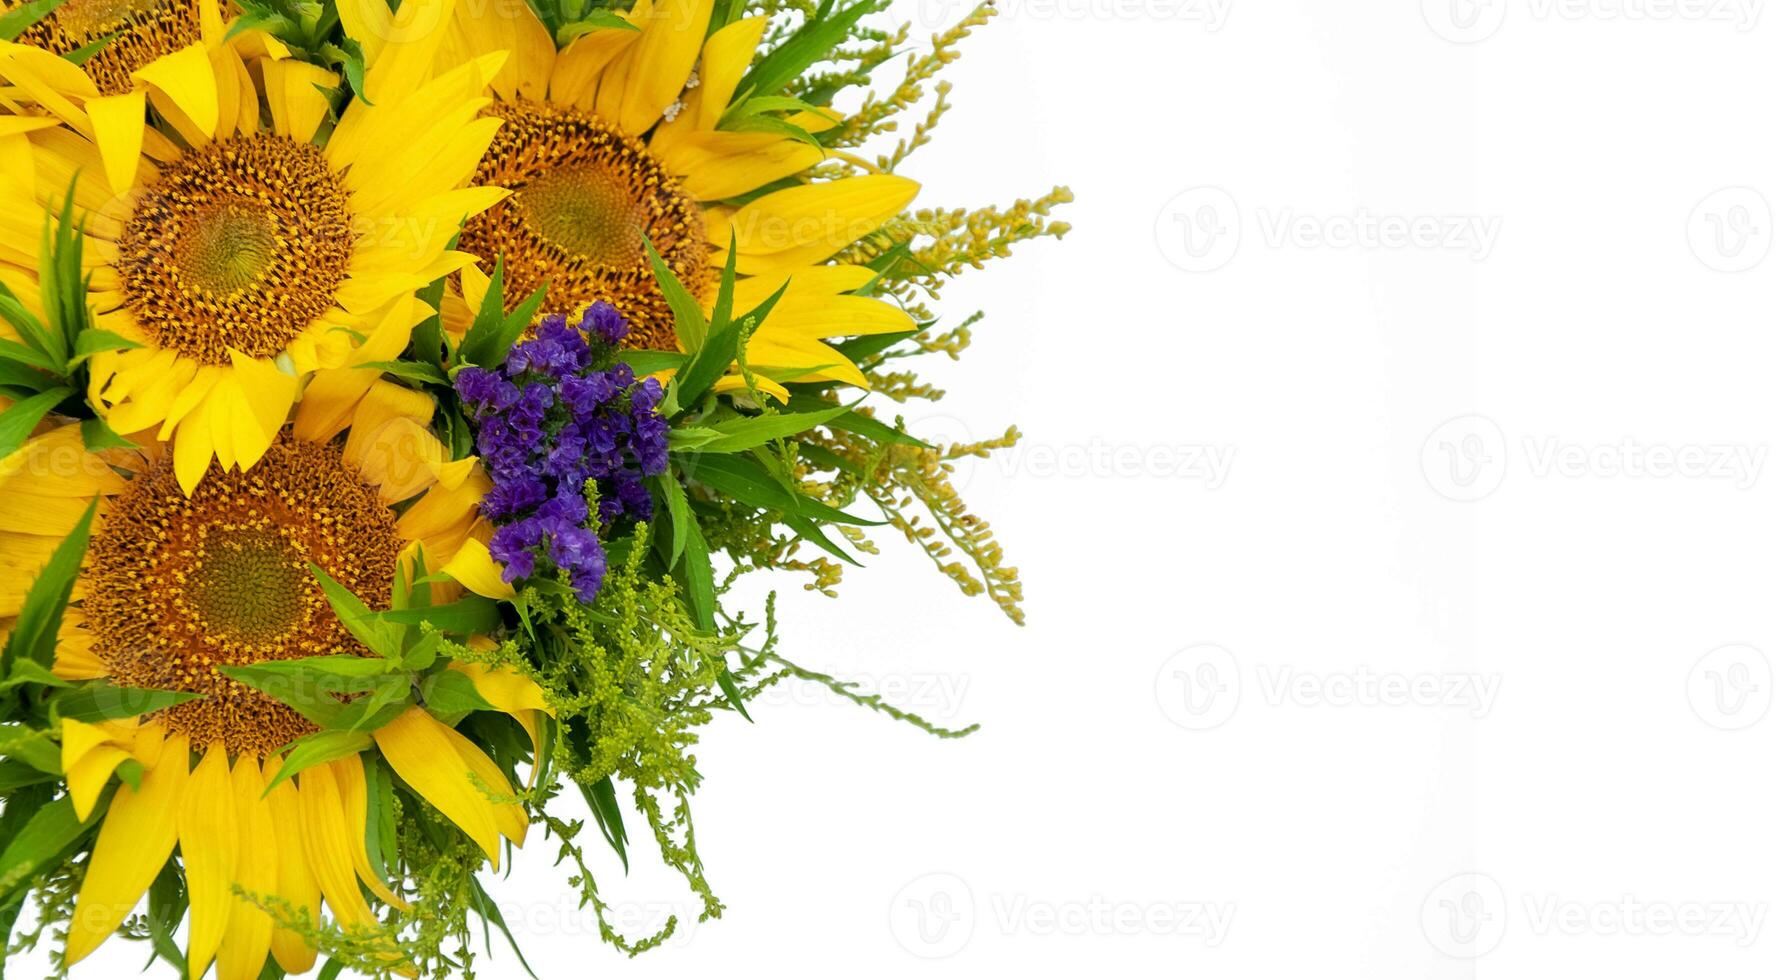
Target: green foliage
<point>44,370</point>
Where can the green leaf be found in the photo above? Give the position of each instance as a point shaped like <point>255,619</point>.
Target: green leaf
<point>409,371</point>
<point>380,820</point>
<point>814,42</point>
<point>382,638</point>
<point>703,369</point>
<point>423,653</point>
<point>20,19</point>
<point>738,434</point>
<point>450,695</point>
<point>602,799</point>
<point>771,124</point>
<point>732,693</point>
<point>490,912</point>
<point>470,615</point>
<point>14,353</point>
<point>679,514</point>
<point>31,672</point>
<point>24,377</point>
<point>689,321</point>
<point>762,104</point>
<point>692,438</point>
<point>312,691</point>
<point>724,307</point>
<point>351,59</point>
<point>494,333</point>
<point>713,361</point>
<point>51,832</point>
<point>650,361</point>
<point>40,619</point>
<point>871,345</point>
<point>60,281</point>
<point>856,423</point>
<point>97,436</point>
<point>17,775</point>
<point>31,747</point>
<point>699,580</point>
<point>95,341</point>
<point>593,20</point>
<point>746,480</point>
<point>18,421</point>
<point>102,701</point>
<point>166,907</point>
<point>314,750</point>
<point>85,53</point>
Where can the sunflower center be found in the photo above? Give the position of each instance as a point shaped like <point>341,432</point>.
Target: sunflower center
<point>240,245</point>
<point>585,212</point>
<point>177,587</point>
<point>227,249</point>
<point>248,584</point>
<point>584,198</point>
<point>139,31</point>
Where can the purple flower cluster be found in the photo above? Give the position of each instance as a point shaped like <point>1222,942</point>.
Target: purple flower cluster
<point>548,424</point>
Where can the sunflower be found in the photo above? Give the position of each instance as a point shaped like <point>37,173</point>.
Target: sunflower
<point>175,584</point>
<point>616,137</point>
<point>232,258</point>
<point>130,35</point>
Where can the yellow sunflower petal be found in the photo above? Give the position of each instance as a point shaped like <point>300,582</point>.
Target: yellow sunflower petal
<point>727,56</point>
<point>662,61</point>
<point>509,818</point>
<point>349,775</point>
<point>136,840</point>
<point>249,936</point>
<point>188,80</point>
<point>475,569</point>
<point>327,843</point>
<point>117,128</point>
<point>424,758</point>
<point>801,226</point>
<point>296,883</point>
<point>87,778</point>
<point>209,847</point>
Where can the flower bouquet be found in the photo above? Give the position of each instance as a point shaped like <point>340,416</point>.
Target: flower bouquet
<point>391,396</point>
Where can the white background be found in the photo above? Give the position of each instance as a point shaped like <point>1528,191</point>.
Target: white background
<point>1384,694</point>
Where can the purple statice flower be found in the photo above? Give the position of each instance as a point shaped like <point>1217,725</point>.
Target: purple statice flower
<point>558,418</point>
<point>603,320</point>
